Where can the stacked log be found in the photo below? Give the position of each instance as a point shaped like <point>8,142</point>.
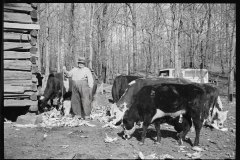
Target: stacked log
<point>20,55</point>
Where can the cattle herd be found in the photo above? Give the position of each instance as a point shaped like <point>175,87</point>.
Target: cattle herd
<point>136,100</point>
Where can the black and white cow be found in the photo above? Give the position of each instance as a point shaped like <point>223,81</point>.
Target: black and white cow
<point>167,99</point>
<point>213,105</point>
<point>120,84</point>
<point>118,108</point>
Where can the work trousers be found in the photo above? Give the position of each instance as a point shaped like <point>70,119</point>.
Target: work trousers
<point>81,98</point>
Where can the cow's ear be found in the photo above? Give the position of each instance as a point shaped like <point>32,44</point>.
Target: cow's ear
<point>111,101</point>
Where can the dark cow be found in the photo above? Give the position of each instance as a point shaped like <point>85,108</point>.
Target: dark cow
<point>61,88</point>
<point>167,99</point>
<point>55,88</point>
<point>120,84</point>
<point>182,128</point>
<point>213,105</point>
<point>118,108</point>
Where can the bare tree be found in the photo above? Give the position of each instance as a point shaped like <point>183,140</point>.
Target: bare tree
<point>177,24</point>
<point>91,18</point>
<point>232,53</point>
<point>58,45</point>
<point>103,36</point>
<point>47,41</point>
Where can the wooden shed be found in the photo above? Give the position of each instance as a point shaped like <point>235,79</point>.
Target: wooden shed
<point>20,55</point>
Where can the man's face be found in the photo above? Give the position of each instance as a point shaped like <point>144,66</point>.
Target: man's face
<point>81,65</point>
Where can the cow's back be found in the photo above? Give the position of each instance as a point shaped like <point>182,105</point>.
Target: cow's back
<point>170,97</point>
<point>133,89</point>
<point>120,84</point>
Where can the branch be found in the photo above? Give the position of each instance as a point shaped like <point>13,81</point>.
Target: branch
<point>122,24</point>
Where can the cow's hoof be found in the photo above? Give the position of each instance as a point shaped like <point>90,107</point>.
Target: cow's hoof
<point>157,143</point>
<point>180,142</point>
<point>140,143</point>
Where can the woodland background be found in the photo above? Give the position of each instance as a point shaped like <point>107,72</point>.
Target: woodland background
<point>131,38</point>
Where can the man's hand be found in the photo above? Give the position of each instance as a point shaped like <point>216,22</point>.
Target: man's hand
<point>64,69</point>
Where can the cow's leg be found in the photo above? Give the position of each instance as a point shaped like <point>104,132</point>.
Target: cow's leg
<point>198,126</point>
<point>157,126</point>
<point>182,135</point>
<point>146,123</point>
<point>187,124</point>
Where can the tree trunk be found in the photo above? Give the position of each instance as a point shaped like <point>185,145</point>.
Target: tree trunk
<point>47,41</point>
<point>91,18</point>
<point>72,57</point>
<point>103,34</point>
<point>221,45</point>
<point>176,8</point>
<point>205,62</point>
<point>231,65</point>
<point>58,51</point>
<point>126,42</point>
<point>134,22</point>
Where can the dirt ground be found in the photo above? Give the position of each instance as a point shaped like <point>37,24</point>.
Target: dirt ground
<point>88,142</point>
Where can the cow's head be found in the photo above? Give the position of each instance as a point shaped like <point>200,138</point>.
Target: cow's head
<point>221,118</point>
<point>42,101</point>
<point>217,118</point>
<point>117,113</point>
<point>129,126</point>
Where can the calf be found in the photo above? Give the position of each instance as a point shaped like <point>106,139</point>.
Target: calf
<point>157,101</point>
<point>120,84</point>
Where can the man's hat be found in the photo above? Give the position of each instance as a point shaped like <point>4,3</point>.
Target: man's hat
<point>82,60</point>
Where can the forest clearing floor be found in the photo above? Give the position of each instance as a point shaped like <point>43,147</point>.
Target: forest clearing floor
<point>88,142</point>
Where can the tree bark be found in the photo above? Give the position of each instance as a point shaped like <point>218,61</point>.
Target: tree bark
<point>205,62</point>
<point>134,23</point>
<point>58,51</point>
<point>47,42</point>
<point>91,18</point>
<point>231,65</point>
<point>103,35</point>
<point>176,20</point>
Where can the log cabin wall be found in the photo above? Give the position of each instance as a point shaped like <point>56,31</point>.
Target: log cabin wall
<point>20,55</point>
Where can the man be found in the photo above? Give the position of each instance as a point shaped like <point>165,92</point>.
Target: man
<point>81,89</point>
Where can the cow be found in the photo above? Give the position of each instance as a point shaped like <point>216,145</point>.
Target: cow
<point>154,102</point>
<point>213,105</point>
<point>118,108</point>
<point>59,87</point>
<point>120,84</point>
